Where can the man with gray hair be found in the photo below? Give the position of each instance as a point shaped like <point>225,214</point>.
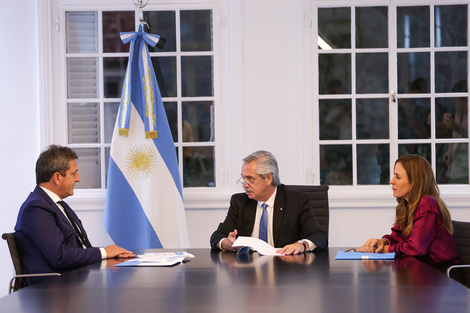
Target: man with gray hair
<point>269,211</point>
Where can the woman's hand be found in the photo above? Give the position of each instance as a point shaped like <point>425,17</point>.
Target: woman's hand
<point>374,246</point>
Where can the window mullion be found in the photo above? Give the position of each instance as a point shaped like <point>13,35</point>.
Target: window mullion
<point>393,84</point>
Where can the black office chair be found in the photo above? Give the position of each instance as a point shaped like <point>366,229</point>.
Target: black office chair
<point>319,197</point>
<point>461,272</point>
<point>18,280</point>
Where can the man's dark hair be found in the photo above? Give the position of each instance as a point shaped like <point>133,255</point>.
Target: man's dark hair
<point>54,159</point>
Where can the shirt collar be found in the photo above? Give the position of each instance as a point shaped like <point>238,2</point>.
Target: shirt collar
<point>51,194</point>
<point>271,199</point>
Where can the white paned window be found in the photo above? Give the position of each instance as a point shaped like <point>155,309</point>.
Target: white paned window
<point>391,79</point>
<point>95,61</point>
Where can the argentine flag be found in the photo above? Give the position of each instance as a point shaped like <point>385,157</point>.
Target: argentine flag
<point>144,200</point>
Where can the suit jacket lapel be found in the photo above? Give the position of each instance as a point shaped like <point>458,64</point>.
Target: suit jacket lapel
<point>61,214</point>
<point>74,219</point>
<point>249,219</point>
<point>54,206</point>
<point>278,213</point>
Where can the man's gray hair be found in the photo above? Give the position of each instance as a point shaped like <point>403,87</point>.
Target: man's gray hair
<point>266,164</point>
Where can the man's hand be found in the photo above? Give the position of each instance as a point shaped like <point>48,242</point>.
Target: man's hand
<point>374,246</point>
<point>228,242</point>
<point>294,248</point>
<point>114,251</point>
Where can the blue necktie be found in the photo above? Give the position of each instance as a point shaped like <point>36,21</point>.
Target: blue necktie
<point>263,224</point>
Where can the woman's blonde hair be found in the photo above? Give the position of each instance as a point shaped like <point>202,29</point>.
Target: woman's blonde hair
<point>421,178</point>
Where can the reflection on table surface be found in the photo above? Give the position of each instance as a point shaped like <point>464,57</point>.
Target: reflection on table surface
<point>217,281</point>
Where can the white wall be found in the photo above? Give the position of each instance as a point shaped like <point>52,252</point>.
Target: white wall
<point>269,87</point>
<point>19,129</point>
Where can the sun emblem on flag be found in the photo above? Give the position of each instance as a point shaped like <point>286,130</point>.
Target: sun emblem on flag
<point>140,161</point>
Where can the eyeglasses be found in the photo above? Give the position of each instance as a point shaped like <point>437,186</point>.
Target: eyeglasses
<point>247,180</point>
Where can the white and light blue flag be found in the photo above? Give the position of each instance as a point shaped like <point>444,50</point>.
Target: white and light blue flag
<point>144,201</point>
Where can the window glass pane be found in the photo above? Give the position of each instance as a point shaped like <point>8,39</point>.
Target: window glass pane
<point>334,27</point>
<point>196,75</point>
<point>163,24</point>
<point>372,118</point>
<point>82,78</point>
<point>110,114</point>
<point>82,32</point>
<point>453,163</point>
<point>452,117</point>
<point>414,72</point>
<point>371,37</point>
<point>198,121</point>
<point>115,22</point>
<point>334,73</point>
<point>413,27</point>
<point>114,71</point>
<point>196,30</point>
<point>373,164</point>
<point>372,73</point>
<point>89,168</point>
<point>165,71</point>
<point>414,118</point>
<point>423,149</point>
<point>335,119</point>
<point>83,123</point>
<point>451,67</point>
<point>198,167</point>
<point>172,116</point>
<point>336,164</point>
<point>450,25</point>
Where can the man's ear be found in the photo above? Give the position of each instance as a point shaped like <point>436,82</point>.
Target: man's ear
<point>56,178</point>
<point>269,178</point>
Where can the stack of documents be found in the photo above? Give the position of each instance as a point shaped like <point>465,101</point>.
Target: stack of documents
<point>342,255</point>
<point>157,259</point>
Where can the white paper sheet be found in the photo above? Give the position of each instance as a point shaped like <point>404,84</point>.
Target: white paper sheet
<point>256,244</point>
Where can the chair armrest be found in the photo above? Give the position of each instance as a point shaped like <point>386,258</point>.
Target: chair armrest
<point>455,266</point>
<point>12,287</point>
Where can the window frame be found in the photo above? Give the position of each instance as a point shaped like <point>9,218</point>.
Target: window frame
<point>53,98</point>
<point>372,196</point>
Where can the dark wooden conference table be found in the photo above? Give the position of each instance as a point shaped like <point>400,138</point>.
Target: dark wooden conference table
<point>222,282</point>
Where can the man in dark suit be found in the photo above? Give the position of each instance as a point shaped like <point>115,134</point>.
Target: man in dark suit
<point>289,218</point>
<point>49,235</point>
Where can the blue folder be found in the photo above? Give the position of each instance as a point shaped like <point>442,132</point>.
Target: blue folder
<point>341,255</point>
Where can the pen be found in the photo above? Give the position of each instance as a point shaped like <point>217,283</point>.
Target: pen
<point>351,250</point>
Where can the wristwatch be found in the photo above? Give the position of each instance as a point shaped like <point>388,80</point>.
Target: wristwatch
<point>303,244</point>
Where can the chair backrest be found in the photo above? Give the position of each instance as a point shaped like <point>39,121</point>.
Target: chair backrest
<point>15,257</point>
<point>462,240</point>
<point>319,197</point>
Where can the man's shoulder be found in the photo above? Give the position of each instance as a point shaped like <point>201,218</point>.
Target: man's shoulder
<point>240,197</point>
<point>36,198</point>
<point>289,193</point>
